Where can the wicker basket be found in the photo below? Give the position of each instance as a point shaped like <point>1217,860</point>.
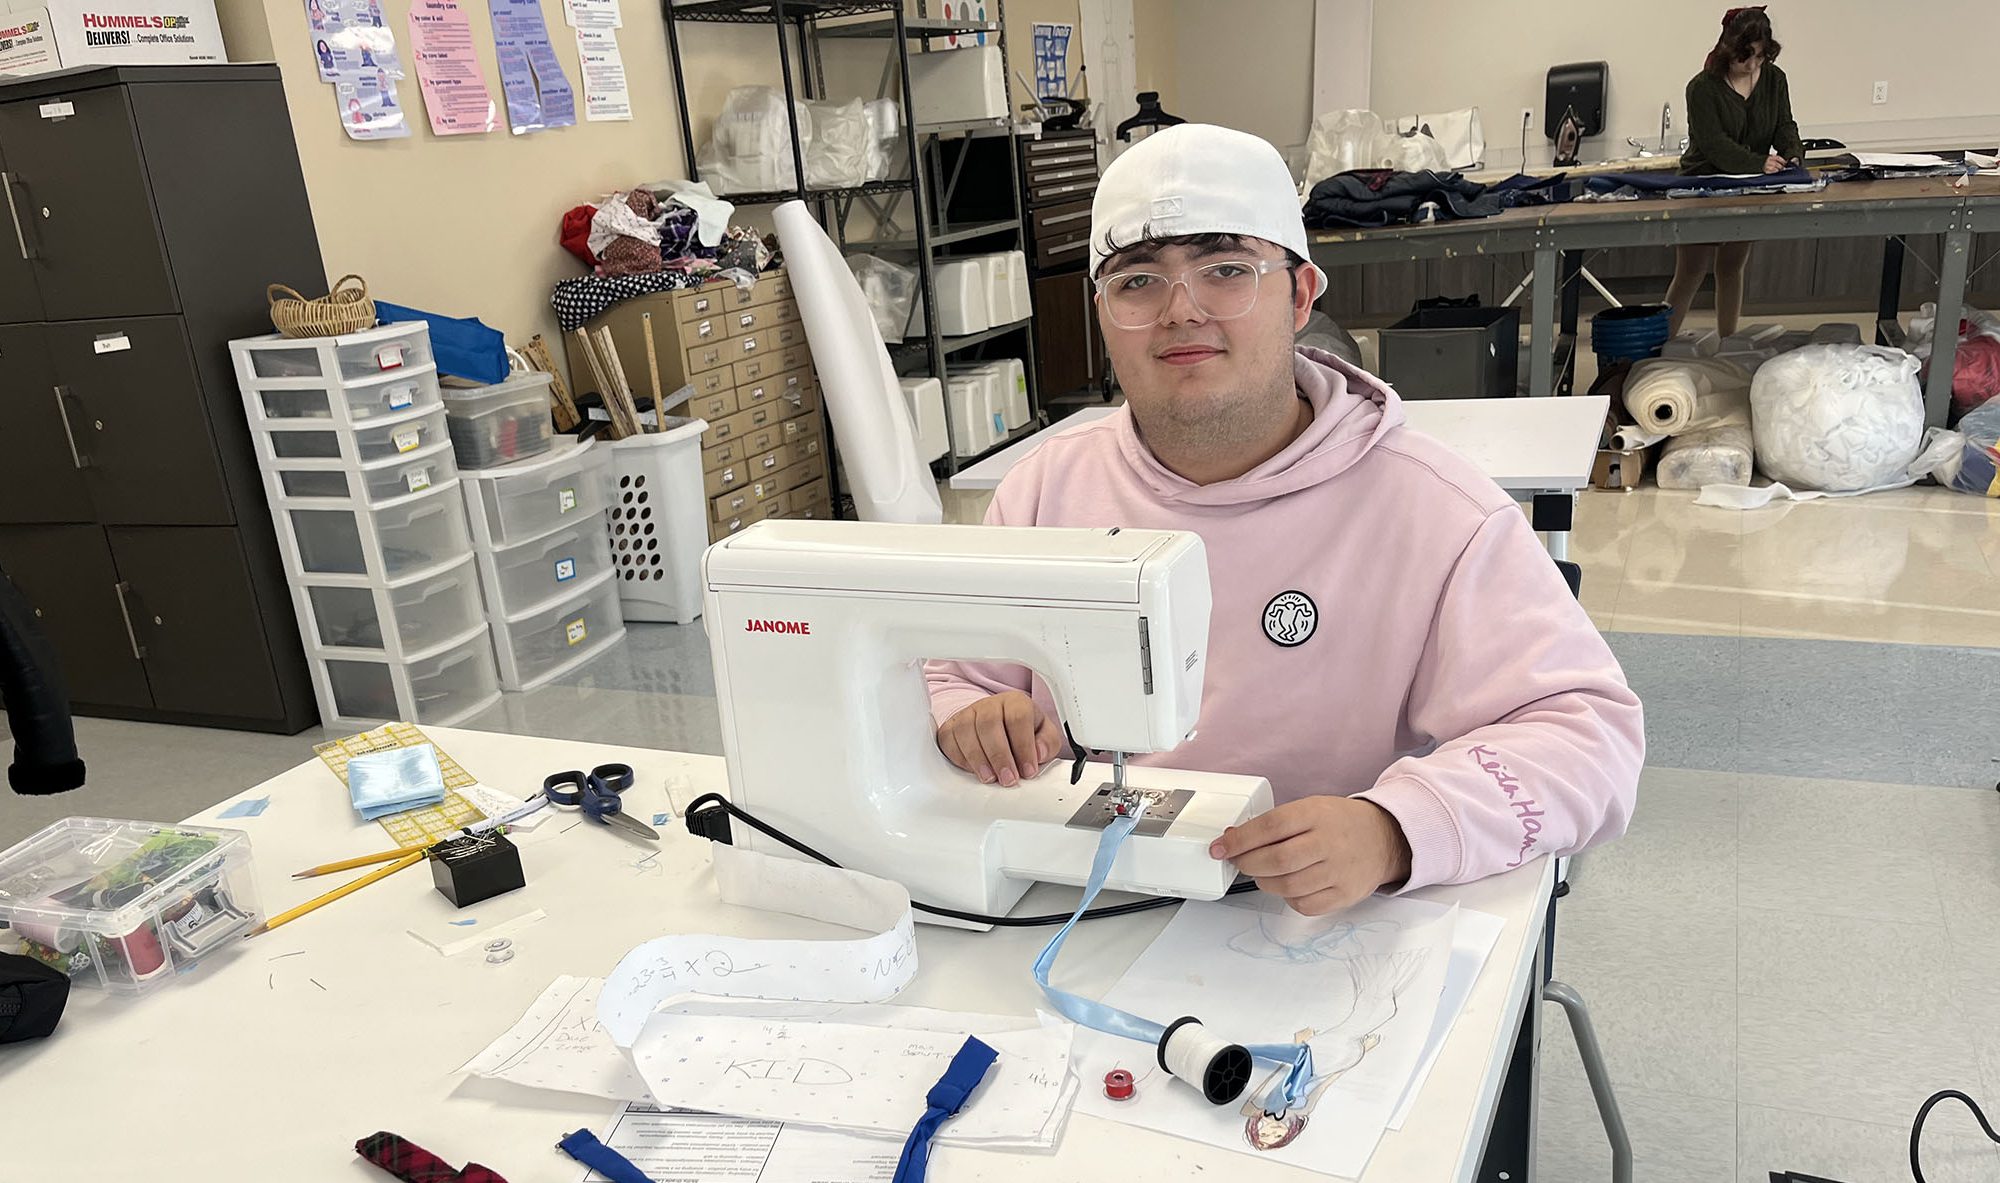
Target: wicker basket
<point>343,310</point>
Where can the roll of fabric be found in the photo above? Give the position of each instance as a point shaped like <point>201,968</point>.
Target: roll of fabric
<point>1707,456</point>
<point>1674,395</point>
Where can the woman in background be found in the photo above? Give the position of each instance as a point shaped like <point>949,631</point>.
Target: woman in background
<point>1739,121</point>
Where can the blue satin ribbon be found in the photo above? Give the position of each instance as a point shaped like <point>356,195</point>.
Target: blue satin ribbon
<point>946,1097</point>
<point>584,1147</point>
<point>1099,1016</point>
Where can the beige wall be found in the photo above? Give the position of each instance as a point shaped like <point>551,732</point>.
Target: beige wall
<point>1158,50</point>
<point>1937,57</point>
<point>1247,66</point>
<point>466,225</point>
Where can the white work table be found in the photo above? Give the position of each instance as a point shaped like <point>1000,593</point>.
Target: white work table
<point>1531,447</point>
<point>270,1061</point>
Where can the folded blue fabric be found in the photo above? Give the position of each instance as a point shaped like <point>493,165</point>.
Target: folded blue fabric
<point>1661,182</point>
<point>394,780</point>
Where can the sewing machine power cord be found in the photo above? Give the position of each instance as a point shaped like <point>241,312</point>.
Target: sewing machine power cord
<point>701,817</point>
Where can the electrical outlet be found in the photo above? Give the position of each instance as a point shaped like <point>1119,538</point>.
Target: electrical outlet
<point>1881,93</point>
<point>1527,117</point>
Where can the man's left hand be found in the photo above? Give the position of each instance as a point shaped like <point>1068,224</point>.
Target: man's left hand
<point>1319,854</point>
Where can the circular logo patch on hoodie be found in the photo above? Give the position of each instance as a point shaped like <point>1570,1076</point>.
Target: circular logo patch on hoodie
<point>1291,618</point>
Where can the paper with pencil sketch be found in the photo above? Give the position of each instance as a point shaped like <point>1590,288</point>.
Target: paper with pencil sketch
<point>874,968</point>
<point>864,1068</point>
<point>1362,986</point>
<point>559,1045</point>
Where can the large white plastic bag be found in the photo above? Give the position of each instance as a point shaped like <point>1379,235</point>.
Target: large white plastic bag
<point>1415,153</point>
<point>837,154</point>
<point>1707,456</point>
<point>891,292</point>
<point>751,148</point>
<point>1345,140</point>
<point>885,136</point>
<point>1837,417</point>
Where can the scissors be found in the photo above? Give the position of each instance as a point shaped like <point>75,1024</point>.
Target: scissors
<point>598,795</point>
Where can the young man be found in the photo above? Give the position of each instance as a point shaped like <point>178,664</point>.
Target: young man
<point>1389,644</point>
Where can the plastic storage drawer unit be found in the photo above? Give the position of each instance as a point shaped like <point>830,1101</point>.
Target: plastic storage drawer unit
<point>441,688</point>
<point>377,439</point>
<point>1453,353</point>
<point>349,356</point>
<point>499,424</point>
<point>537,645</point>
<point>364,399</point>
<point>529,499</point>
<point>529,574</point>
<point>127,905</point>
<point>408,617</point>
<point>399,539</point>
<point>374,483</point>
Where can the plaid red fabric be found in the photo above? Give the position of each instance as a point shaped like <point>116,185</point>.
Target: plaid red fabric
<point>413,1164</point>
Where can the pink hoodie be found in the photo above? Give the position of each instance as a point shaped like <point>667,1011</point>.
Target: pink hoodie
<point>1385,625</point>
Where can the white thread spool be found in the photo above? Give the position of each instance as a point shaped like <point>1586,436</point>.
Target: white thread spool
<point>1221,1070</point>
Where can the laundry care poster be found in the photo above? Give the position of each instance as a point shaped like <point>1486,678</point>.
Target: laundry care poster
<point>356,52</point>
<point>455,94</point>
<point>605,94</point>
<point>538,94</point>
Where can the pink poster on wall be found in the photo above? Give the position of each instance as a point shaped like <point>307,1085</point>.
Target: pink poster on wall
<point>455,93</point>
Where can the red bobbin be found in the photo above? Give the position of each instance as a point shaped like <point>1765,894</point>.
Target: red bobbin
<point>1118,1085</point>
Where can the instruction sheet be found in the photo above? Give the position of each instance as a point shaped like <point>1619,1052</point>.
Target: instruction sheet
<point>355,51</point>
<point>455,94</point>
<point>538,93</point>
<point>605,95</point>
<point>689,1146</point>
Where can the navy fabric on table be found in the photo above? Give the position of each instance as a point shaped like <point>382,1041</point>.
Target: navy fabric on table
<point>1683,185</point>
<point>1379,197</point>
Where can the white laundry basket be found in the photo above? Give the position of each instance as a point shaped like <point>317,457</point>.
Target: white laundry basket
<point>658,522</point>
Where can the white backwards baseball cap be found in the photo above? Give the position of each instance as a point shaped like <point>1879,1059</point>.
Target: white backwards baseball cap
<point>1196,178</point>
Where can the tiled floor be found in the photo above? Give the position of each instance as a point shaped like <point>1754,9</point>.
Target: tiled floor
<point>1796,943</point>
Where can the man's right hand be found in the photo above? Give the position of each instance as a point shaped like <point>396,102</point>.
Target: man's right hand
<point>1774,163</point>
<point>1004,738</point>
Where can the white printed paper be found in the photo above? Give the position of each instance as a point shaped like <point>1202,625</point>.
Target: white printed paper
<point>350,39</point>
<point>683,1144</point>
<point>865,1067</point>
<point>368,109</point>
<point>874,968</point>
<point>1363,986</point>
<point>592,14</point>
<point>605,93</point>
<point>356,52</point>
<point>559,1045</point>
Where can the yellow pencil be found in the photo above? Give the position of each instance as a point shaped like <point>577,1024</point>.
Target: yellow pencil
<point>408,860</point>
<point>348,864</point>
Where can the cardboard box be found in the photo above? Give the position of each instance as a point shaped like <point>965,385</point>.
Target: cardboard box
<point>111,33</point>
<point>1616,469</point>
<point>949,85</point>
<point>27,46</point>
